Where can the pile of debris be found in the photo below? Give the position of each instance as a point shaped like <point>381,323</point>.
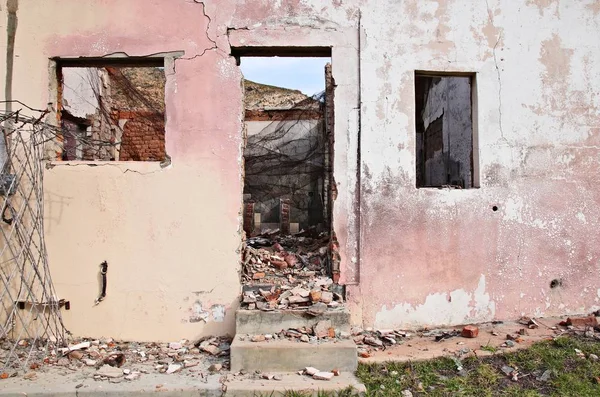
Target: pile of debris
<point>369,340</point>
<point>288,272</point>
<point>322,331</point>
<point>117,361</point>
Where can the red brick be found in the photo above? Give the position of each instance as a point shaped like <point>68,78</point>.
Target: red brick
<point>582,321</point>
<point>470,331</point>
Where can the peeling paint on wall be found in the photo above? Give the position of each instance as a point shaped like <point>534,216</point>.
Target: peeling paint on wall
<point>456,307</point>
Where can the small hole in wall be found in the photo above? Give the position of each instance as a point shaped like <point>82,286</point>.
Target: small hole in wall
<point>495,208</point>
<point>555,283</point>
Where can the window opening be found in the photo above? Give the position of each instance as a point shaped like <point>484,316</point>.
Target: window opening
<point>112,112</point>
<point>288,182</point>
<point>444,131</point>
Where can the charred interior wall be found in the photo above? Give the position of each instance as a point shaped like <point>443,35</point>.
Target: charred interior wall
<point>297,171</point>
<point>444,131</point>
<point>426,256</point>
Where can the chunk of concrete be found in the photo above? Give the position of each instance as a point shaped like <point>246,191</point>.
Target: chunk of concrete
<point>323,375</point>
<point>109,372</point>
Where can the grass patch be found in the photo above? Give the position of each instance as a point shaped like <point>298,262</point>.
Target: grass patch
<point>551,368</point>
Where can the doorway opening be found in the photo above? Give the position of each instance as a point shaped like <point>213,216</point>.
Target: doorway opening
<point>288,261</point>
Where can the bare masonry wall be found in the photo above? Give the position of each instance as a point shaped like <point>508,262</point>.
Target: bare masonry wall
<point>409,256</point>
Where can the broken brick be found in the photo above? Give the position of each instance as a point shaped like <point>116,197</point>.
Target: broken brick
<point>279,264</point>
<point>258,276</point>
<point>582,321</point>
<point>315,296</point>
<point>258,338</point>
<point>470,331</point>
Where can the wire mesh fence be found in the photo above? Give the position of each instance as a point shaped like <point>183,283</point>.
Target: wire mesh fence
<point>30,318</point>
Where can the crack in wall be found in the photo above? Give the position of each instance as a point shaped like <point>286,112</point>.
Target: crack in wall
<point>50,166</point>
<point>491,15</point>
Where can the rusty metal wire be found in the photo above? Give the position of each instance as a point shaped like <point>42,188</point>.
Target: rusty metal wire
<point>30,318</point>
<point>287,158</point>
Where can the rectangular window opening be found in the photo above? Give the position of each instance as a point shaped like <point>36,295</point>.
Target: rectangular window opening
<point>288,160</point>
<point>445,138</point>
<point>111,110</point>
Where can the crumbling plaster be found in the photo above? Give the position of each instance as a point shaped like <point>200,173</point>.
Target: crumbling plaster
<point>536,119</point>
<point>171,234</point>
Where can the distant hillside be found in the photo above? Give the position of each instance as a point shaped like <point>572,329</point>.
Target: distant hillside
<point>262,96</point>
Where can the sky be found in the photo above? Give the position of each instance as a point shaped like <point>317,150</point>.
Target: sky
<point>304,74</point>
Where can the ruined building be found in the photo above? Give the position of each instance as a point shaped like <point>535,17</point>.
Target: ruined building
<point>456,166</point>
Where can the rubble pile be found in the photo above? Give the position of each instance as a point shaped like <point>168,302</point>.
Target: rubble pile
<point>288,272</point>
<point>322,331</point>
<point>118,361</point>
<point>370,340</point>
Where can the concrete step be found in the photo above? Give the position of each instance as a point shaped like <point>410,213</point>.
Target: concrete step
<point>248,386</point>
<point>290,356</point>
<point>255,322</point>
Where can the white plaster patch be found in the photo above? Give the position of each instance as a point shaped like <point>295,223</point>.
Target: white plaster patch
<point>462,307</point>
<point>565,159</point>
<point>218,313</point>
<point>513,209</point>
<point>581,217</point>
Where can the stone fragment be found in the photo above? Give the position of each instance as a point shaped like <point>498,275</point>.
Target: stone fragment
<point>279,264</point>
<point>108,371</point>
<point>321,330</point>
<point>258,338</point>
<point>406,393</point>
<point>305,338</point>
<point>593,357</point>
<point>326,297</point>
<point>76,355</point>
<point>304,293</point>
<point>369,340</point>
<point>323,375</point>
<point>268,376</point>
<point>336,372</point>
<point>290,259</point>
<point>114,359</point>
<point>190,364</point>
<point>89,362</point>
<point>298,299</point>
<point>175,345</point>
<point>470,331</point>
<point>82,345</point>
<point>215,367</point>
<point>211,349</point>
<point>133,376</point>
<point>258,276</point>
<point>310,371</point>
<point>317,309</point>
<point>315,296</point>
<point>545,376</point>
<point>173,368</point>
<point>63,361</point>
